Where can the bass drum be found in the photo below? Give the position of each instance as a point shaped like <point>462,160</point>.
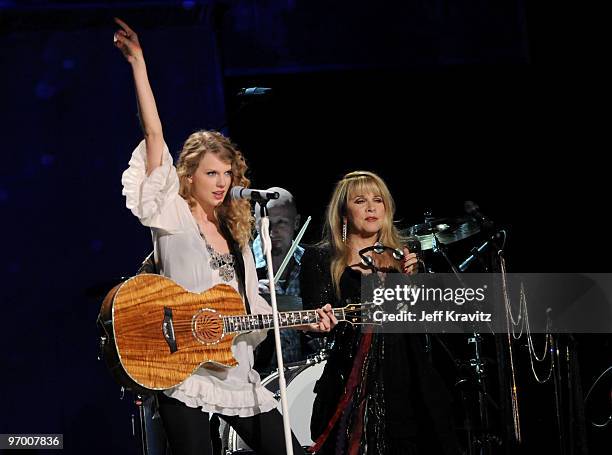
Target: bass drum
<point>301,379</point>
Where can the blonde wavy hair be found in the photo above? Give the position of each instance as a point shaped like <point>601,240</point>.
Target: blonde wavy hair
<point>236,214</point>
<point>354,183</point>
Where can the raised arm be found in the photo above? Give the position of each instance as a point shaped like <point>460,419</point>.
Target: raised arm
<point>127,42</point>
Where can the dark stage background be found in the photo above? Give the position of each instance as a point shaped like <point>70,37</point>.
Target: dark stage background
<point>504,103</point>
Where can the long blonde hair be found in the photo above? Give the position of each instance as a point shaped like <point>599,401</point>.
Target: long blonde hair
<point>236,214</point>
<point>357,182</point>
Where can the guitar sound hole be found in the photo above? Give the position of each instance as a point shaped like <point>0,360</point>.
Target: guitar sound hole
<point>207,326</point>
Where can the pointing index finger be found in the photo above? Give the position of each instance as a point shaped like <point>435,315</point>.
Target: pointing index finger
<point>123,25</point>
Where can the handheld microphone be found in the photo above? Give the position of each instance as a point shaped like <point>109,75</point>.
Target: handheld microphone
<point>240,192</point>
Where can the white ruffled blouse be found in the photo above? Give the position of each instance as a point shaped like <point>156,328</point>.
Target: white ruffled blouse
<point>181,254</point>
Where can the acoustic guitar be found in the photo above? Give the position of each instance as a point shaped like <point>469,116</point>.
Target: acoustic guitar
<point>155,333</point>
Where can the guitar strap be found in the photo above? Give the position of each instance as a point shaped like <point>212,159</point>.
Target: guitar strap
<point>238,262</point>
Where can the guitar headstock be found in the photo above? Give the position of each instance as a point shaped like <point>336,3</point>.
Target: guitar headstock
<point>360,313</point>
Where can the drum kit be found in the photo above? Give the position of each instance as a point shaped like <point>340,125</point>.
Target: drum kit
<point>437,242</point>
<point>443,231</point>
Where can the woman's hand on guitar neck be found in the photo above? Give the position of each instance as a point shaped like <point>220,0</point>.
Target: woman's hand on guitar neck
<point>327,321</point>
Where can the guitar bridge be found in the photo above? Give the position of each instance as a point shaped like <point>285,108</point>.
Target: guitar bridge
<point>168,330</point>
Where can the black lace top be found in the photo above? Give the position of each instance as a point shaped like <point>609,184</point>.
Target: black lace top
<point>394,391</point>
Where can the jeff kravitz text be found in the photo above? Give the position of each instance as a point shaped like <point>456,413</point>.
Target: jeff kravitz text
<point>434,316</point>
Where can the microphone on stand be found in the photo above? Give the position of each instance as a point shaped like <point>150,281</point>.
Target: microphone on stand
<point>253,91</point>
<point>262,196</point>
<point>476,253</point>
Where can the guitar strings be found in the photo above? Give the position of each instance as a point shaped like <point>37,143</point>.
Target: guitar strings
<point>258,318</point>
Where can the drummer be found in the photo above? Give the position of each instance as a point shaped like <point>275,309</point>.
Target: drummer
<point>284,224</point>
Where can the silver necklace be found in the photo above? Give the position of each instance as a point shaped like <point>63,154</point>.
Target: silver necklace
<point>222,262</point>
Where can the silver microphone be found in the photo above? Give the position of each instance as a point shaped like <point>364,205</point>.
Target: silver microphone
<point>240,192</point>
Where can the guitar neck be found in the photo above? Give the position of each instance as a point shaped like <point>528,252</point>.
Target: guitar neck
<point>250,322</point>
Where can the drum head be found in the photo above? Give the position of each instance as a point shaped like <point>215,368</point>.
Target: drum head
<point>300,398</point>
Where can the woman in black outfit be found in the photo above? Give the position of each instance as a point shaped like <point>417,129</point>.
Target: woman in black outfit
<point>378,393</point>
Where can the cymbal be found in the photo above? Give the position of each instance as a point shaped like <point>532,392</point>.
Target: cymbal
<point>445,230</point>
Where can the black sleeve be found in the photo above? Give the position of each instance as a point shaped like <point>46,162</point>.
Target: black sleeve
<point>316,289</point>
<point>316,286</point>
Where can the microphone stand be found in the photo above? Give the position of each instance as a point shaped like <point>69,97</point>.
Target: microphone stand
<point>477,363</point>
<point>476,253</point>
<point>486,437</point>
<point>267,249</point>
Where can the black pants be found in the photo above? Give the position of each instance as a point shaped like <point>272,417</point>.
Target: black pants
<point>188,430</point>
